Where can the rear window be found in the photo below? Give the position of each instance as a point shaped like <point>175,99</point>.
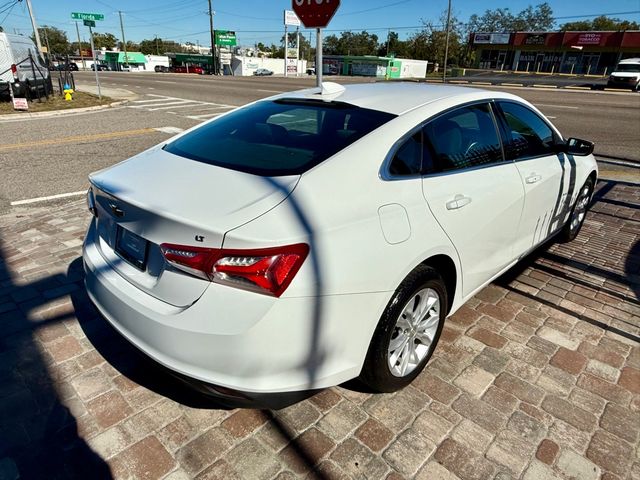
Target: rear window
<point>282,137</point>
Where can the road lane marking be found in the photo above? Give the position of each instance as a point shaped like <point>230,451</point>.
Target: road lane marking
<point>45,199</point>
<point>164,81</point>
<point>200,117</point>
<point>271,91</point>
<point>76,138</point>
<point>157,103</point>
<point>170,130</point>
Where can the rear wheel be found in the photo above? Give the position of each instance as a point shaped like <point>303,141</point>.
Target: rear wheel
<point>578,213</point>
<point>407,333</point>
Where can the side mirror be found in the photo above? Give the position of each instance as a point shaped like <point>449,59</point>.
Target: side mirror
<point>576,146</point>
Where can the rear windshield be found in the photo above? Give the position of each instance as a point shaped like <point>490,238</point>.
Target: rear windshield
<point>628,67</point>
<point>282,137</point>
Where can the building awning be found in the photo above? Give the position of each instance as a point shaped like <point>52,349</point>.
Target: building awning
<point>132,57</point>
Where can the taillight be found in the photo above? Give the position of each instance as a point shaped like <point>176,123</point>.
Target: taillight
<point>14,71</point>
<point>265,270</point>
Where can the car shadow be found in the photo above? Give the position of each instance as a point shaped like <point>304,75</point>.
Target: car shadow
<point>39,435</point>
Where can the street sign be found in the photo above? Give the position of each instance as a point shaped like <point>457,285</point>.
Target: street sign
<point>225,38</point>
<point>89,23</point>
<point>87,16</point>
<point>315,13</point>
<point>290,18</point>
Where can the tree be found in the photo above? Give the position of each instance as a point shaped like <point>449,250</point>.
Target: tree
<point>350,43</point>
<point>392,45</point>
<point>104,40</point>
<point>601,23</point>
<point>531,19</point>
<point>57,39</point>
<point>429,43</point>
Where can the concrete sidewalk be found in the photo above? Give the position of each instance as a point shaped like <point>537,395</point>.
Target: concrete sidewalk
<point>536,377</point>
<point>111,92</point>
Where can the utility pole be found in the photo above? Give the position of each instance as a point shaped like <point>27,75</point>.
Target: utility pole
<point>124,40</point>
<point>297,50</point>
<point>286,48</point>
<point>35,28</point>
<point>446,46</point>
<point>388,35</point>
<point>95,63</point>
<point>80,47</point>
<point>213,40</point>
<point>157,49</point>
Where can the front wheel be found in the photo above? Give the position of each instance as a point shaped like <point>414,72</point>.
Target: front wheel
<point>578,213</point>
<point>407,333</point>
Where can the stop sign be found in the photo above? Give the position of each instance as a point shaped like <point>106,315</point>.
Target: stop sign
<point>315,13</point>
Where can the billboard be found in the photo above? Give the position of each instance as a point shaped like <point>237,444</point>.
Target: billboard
<point>491,38</point>
<point>290,18</point>
<point>225,38</point>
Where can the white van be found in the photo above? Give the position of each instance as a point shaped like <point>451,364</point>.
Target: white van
<point>13,50</point>
<point>626,75</point>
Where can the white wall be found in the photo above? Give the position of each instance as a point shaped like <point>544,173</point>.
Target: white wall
<point>245,66</point>
<point>413,68</point>
<point>154,60</point>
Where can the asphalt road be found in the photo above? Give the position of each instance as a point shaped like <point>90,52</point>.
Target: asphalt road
<point>51,156</point>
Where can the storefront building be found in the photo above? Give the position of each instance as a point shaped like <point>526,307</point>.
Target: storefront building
<point>372,66</point>
<point>579,53</point>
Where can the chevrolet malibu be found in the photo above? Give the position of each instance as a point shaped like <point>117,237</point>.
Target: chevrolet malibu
<point>326,234</point>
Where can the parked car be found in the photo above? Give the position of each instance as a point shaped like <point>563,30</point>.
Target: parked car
<point>626,75</point>
<point>99,66</point>
<point>125,68</point>
<point>17,73</point>
<point>309,242</point>
<point>189,69</point>
<point>263,72</point>
<point>311,71</point>
<point>161,68</point>
<point>71,66</point>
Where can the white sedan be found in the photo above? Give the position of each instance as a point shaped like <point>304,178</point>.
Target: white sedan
<point>321,235</point>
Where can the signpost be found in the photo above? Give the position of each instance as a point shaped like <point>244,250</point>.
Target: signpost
<point>89,20</point>
<point>316,14</point>
<point>290,18</point>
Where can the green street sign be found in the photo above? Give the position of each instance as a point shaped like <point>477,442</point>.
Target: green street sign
<point>89,23</point>
<point>87,16</point>
<point>225,38</point>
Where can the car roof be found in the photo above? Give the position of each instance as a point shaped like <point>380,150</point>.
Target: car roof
<point>393,97</point>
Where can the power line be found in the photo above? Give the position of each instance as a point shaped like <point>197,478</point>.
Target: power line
<point>375,8</point>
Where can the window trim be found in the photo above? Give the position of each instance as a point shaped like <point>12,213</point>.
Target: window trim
<point>385,173</point>
<point>504,127</point>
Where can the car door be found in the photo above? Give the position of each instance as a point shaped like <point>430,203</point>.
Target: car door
<point>473,192</point>
<point>548,178</point>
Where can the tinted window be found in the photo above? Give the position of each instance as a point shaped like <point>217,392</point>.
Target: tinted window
<point>465,137</point>
<point>278,138</point>
<point>527,134</point>
<point>408,157</point>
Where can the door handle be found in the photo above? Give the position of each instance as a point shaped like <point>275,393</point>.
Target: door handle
<point>458,201</point>
<point>533,178</point>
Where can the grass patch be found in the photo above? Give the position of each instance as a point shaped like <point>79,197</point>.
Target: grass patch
<point>57,102</point>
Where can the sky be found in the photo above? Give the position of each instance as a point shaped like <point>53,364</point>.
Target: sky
<point>262,20</point>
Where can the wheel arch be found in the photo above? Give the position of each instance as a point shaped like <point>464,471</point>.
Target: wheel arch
<point>446,268</point>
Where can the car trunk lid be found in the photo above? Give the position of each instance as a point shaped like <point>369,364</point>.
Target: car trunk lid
<point>157,197</point>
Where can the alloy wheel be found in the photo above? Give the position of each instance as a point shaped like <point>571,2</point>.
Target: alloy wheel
<point>414,332</point>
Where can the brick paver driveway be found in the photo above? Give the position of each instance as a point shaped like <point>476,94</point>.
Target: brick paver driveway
<point>537,377</point>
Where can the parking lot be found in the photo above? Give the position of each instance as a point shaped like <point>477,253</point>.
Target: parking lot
<point>536,377</point>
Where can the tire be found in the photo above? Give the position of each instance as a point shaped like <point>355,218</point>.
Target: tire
<point>578,213</point>
<point>387,369</point>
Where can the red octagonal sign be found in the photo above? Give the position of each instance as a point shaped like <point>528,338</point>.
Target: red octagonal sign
<point>315,13</point>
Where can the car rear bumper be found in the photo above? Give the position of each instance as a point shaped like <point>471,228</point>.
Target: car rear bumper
<point>240,340</point>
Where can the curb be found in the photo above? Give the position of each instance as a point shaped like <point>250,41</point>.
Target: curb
<point>13,117</point>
